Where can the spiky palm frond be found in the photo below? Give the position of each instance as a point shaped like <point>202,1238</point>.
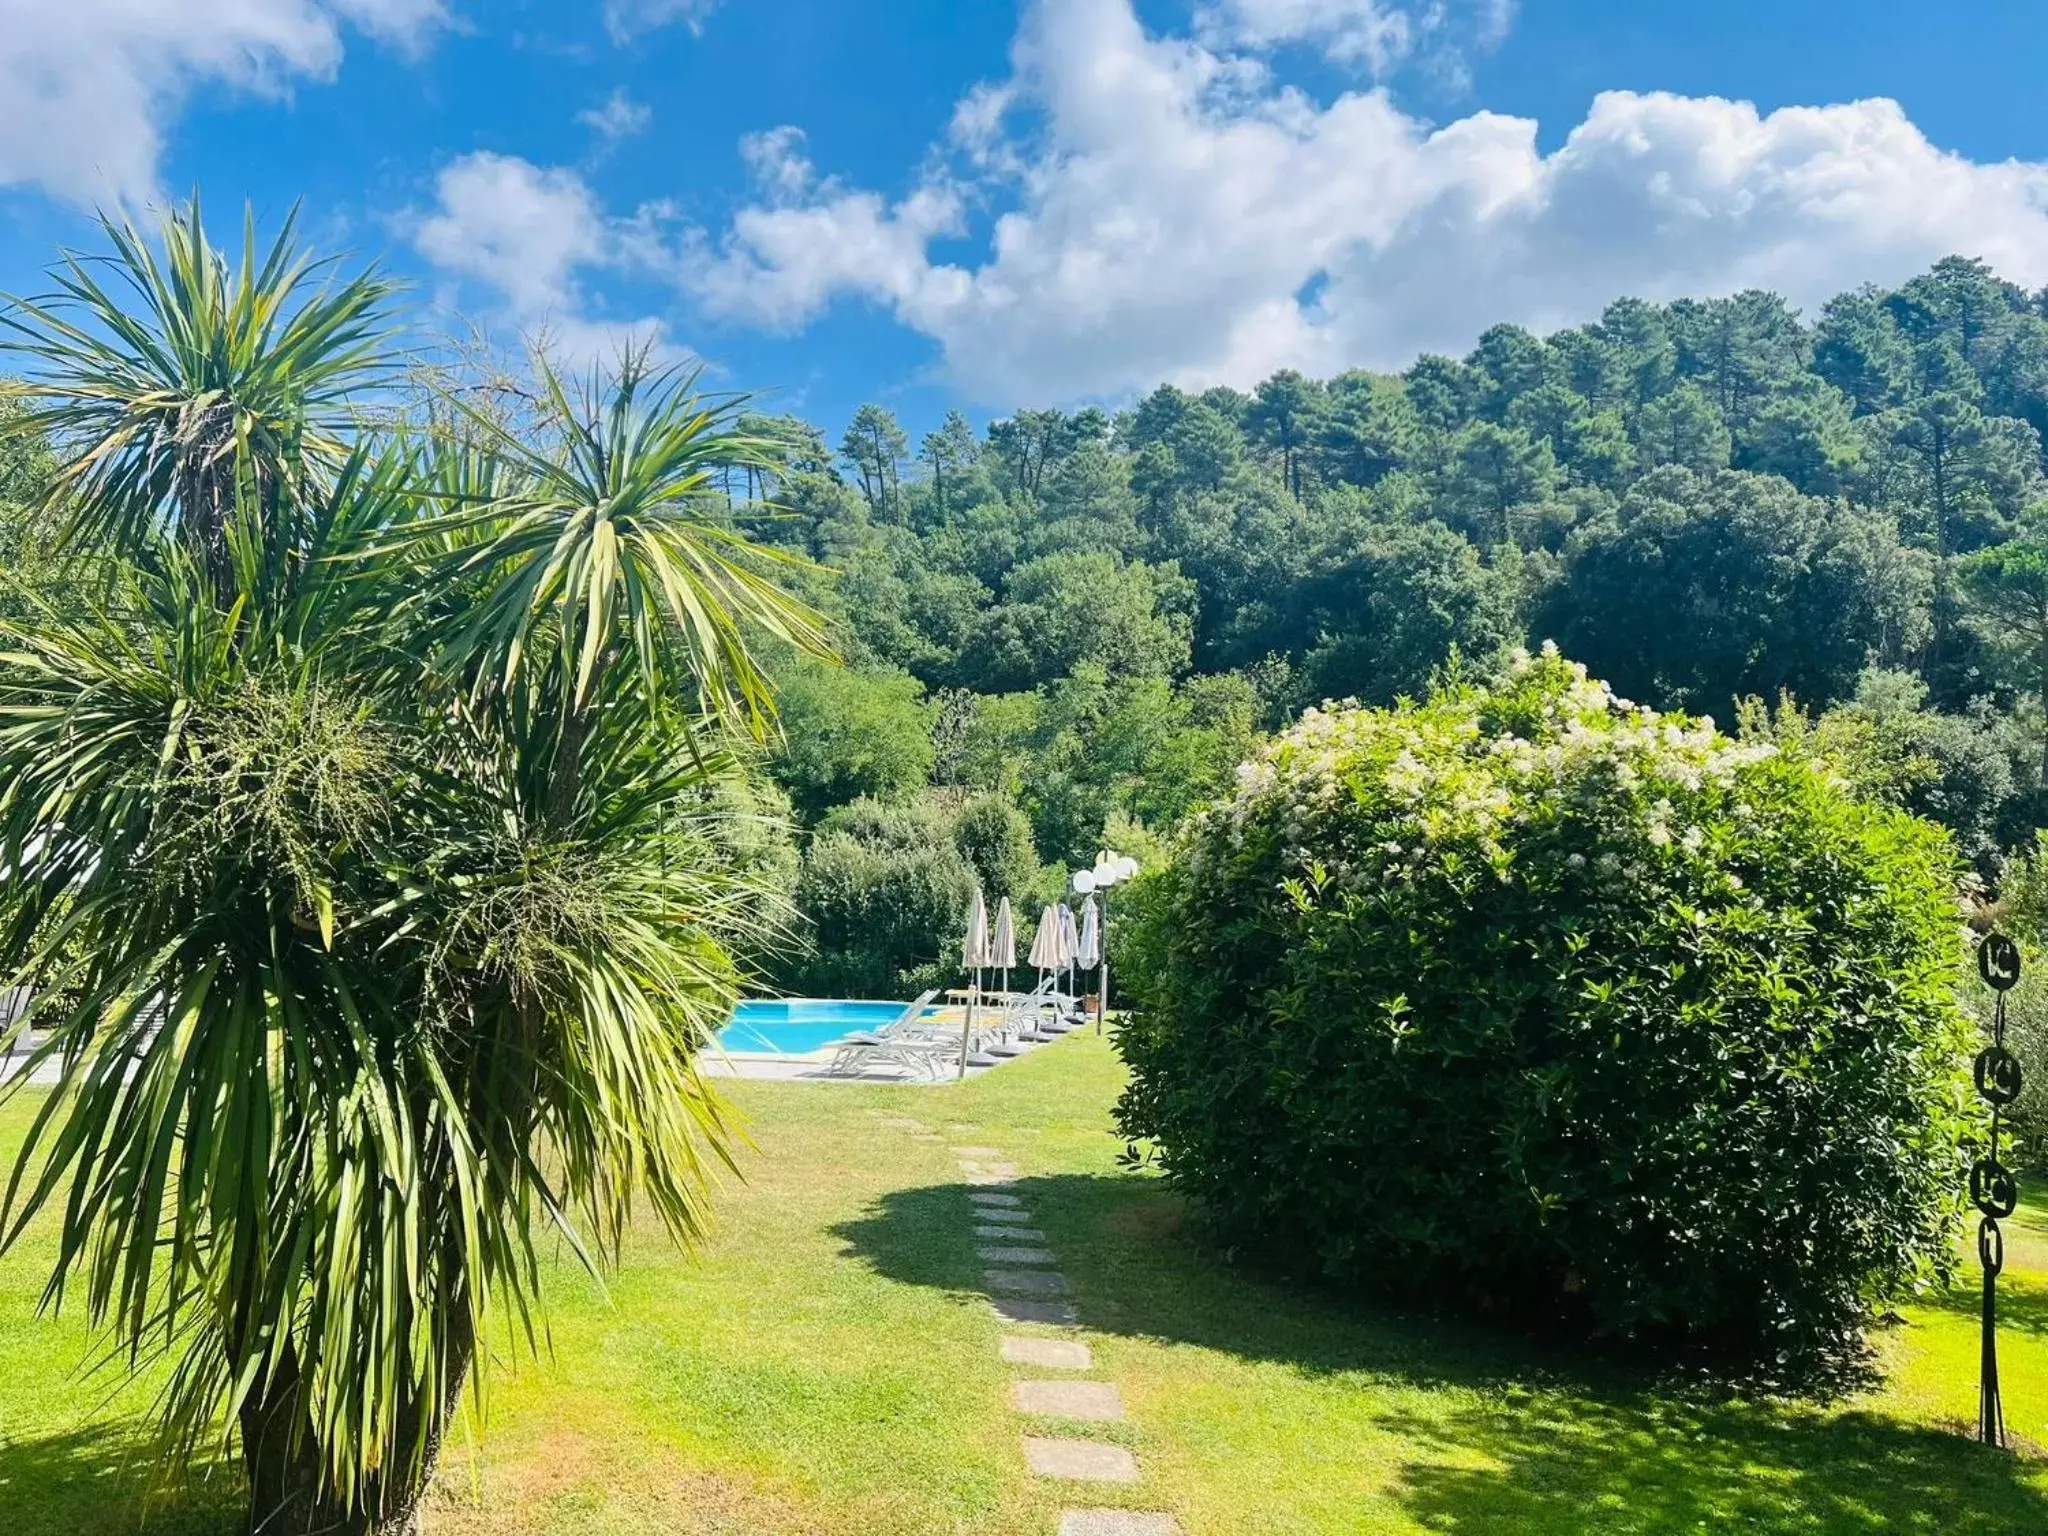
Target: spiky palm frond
<point>610,544</point>
<point>172,386</point>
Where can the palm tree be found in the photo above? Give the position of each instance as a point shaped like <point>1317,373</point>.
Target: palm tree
<point>360,842</point>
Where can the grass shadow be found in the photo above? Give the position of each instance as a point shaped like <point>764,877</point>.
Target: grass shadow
<point>98,1481</point>
<point>1653,1462</point>
<point>2022,1305</point>
<point>1495,1430</point>
<point>1126,1244</point>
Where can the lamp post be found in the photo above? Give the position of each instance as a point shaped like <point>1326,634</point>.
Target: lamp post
<point>1993,1189</point>
<point>1111,869</point>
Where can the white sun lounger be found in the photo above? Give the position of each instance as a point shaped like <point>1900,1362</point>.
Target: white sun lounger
<point>908,1041</point>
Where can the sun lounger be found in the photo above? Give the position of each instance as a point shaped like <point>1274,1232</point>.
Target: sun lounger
<point>909,1041</point>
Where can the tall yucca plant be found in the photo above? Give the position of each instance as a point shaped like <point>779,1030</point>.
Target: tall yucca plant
<point>177,384</point>
<point>357,847</point>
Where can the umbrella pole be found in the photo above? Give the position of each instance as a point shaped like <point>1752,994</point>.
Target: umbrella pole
<point>966,1034</point>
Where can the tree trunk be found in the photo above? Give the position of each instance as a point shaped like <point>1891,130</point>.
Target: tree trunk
<point>282,1458</point>
<point>285,1496</point>
<point>206,495</point>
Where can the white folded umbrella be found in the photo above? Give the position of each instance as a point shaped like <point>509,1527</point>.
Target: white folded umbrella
<point>1002,949</point>
<point>1002,944</point>
<point>974,954</point>
<point>1046,953</point>
<point>974,947</point>
<point>1088,948</point>
<point>1070,946</point>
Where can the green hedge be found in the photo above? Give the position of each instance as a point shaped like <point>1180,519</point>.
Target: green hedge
<point>1527,999</point>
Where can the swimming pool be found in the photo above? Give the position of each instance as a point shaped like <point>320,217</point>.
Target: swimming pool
<point>792,1026</point>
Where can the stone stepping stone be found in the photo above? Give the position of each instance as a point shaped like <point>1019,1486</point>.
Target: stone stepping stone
<point>1027,1282</point>
<point>1047,1354</point>
<point>995,1180</point>
<point>1011,1234</point>
<point>996,1200</point>
<point>1000,1170</point>
<point>1116,1522</point>
<point>1054,1314</point>
<point>1087,1461</point>
<point>976,1151</point>
<point>1014,1255</point>
<point>1003,1215</point>
<point>1096,1400</point>
<point>904,1125</point>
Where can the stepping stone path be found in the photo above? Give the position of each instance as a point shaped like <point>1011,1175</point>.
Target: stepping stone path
<point>1026,1282</point>
<point>1047,1354</point>
<point>1012,1309</point>
<point>1013,1255</point>
<point>1026,1295</point>
<point>1082,1461</point>
<point>1096,1400</point>
<point>1116,1522</point>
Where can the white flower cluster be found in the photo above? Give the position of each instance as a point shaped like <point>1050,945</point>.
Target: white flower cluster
<point>1381,796</point>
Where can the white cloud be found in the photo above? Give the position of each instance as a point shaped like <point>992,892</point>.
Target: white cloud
<point>1352,31</point>
<point>617,117</point>
<point>407,22</point>
<point>811,240</point>
<point>531,236</point>
<point>89,84</point>
<point>1177,214</point>
<point>628,19</point>
<point>1378,36</point>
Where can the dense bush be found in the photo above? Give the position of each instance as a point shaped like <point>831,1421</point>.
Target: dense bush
<point>1531,1000</point>
<point>882,893</point>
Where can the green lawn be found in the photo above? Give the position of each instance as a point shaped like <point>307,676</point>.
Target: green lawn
<point>824,1367</point>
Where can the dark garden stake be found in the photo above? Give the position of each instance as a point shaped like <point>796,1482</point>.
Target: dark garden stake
<point>1992,1186</point>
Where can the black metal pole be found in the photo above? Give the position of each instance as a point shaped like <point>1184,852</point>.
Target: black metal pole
<point>1993,1189</point>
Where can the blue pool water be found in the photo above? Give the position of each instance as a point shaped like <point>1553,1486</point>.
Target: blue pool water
<point>793,1025</point>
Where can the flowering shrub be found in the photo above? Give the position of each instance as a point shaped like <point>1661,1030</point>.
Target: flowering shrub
<point>1529,999</point>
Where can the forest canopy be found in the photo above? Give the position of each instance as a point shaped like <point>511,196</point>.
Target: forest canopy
<point>1090,615</point>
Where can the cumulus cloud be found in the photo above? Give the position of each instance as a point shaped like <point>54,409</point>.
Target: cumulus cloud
<point>89,85</point>
<point>1173,212</point>
<point>531,237</point>
<point>811,240</point>
<point>628,19</point>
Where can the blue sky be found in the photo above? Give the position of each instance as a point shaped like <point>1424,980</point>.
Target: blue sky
<point>989,204</point>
